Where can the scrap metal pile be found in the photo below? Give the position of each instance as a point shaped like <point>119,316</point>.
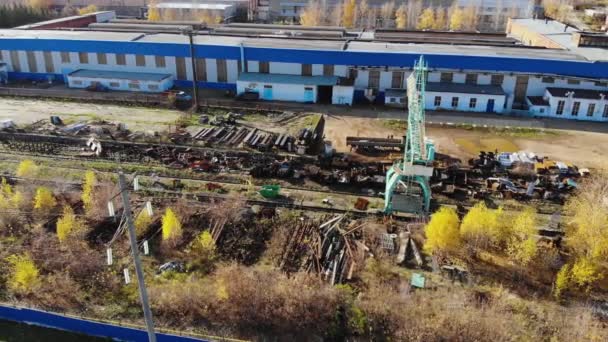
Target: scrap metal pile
<point>519,175</point>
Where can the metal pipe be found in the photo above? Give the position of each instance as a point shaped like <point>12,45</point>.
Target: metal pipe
<point>243,58</point>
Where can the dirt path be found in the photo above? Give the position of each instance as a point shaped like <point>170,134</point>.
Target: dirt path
<point>585,149</point>
<point>23,111</point>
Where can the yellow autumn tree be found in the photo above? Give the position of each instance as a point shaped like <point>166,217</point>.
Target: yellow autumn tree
<point>482,226</point>
<point>39,4</point>
<point>88,189</point>
<point>153,12</point>
<point>142,222</point>
<point>348,13</point>
<point>27,169</point>
<point>401,17</point>
<point>312,14</point>
<point>584,273</point>
<point>24,275</point>
<point>426,19</point>
<point>203,252</point>
<point>521,244</point>
<point>171,226</point>
<point>68,225</point>
<point>44,200</point>
<point>89,9</point>
<point>457,19</point>
<point>587,219</point>
<point>442,233</point>
<point>470,18</point>
<point>441,20</point>
<point>562,281</point>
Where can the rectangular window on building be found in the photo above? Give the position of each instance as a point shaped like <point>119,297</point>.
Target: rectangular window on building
<point>548,80</point>
<point>140,60</point>
<point>222,70</point>
<point>591,109</point>
<point>573,81</point>
<point>471,79</point>
<point>328,69</point>
<point>560,107</point>
<point>160,61</point>
<point>374,79</point>
<point>454,102</point>
<point>65,57</point>
<point>83,57</point>
<point>133,85</point>
<point>114,85</point>
<point>121,59</point>
<point>15,61</point>
<point>152,86</point>
<point>497,79</point>
<point>31,61</point>
<point>605,114</point>
<point>473,103</point>
<point>48,62</point>
<point>352,74</point>
<point>264,67</point>
<point>575,108</point>
<point>201,69</point>
<point>180,66</point>
<point>77,82</point>
<point>306,69</point>
<point>447,77</point>
<point>102,58</point>
<point>397,81</point>
<point>437,101</point>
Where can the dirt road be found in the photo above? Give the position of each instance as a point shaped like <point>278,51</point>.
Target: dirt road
<point>583,148</point>
<point>23,111</point>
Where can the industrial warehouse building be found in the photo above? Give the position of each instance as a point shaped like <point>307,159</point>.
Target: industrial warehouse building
<point>121,80</point>
<point>469,71</point>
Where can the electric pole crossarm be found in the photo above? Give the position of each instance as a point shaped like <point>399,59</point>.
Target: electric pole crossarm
<point>143,293</point>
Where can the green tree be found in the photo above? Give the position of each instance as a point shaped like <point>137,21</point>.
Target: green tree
<point>442,233</point>
<point>562,281</point>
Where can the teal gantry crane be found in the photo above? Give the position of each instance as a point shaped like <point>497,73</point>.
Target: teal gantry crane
<point>416,167</point>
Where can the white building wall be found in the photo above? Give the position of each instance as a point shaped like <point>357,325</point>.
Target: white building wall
<point>211,67</point>
<point>362,79</point>
<point>232,66</point>
<point>40,61</point>
<point>285,68</point>
<point>434,77</point>
<point>582,113</point>
<point>280,92</point>
<point>23,61</point>
<point>317,69</point>
<point>386,78</point>
<point>342,95</point>
<point>253,66</point>
<point>459,78</point>
<point>484,79</point>
<point>340,70</point>
<point>463,102</point>
<point>123,85</point>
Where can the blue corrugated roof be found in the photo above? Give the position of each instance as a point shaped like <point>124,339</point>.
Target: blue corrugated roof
<point>288,79</point>
<point>121,75</point>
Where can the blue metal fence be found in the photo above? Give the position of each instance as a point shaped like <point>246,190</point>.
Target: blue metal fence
<point>83,326</point>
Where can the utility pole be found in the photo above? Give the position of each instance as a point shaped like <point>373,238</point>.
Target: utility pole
<point>143,293</point>
<point>194,78</point>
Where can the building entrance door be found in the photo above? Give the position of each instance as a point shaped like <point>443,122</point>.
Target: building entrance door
<point>490,106</point>
<point>267,92</point>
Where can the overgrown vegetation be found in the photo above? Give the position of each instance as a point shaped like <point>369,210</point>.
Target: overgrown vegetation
<point>53,246</point>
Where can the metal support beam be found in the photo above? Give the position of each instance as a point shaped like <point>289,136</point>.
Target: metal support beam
<point>194,79</point>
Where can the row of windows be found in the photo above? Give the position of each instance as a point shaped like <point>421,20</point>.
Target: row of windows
<point>117,85</point>
<point>576,107</point>
<point>455,101</point>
